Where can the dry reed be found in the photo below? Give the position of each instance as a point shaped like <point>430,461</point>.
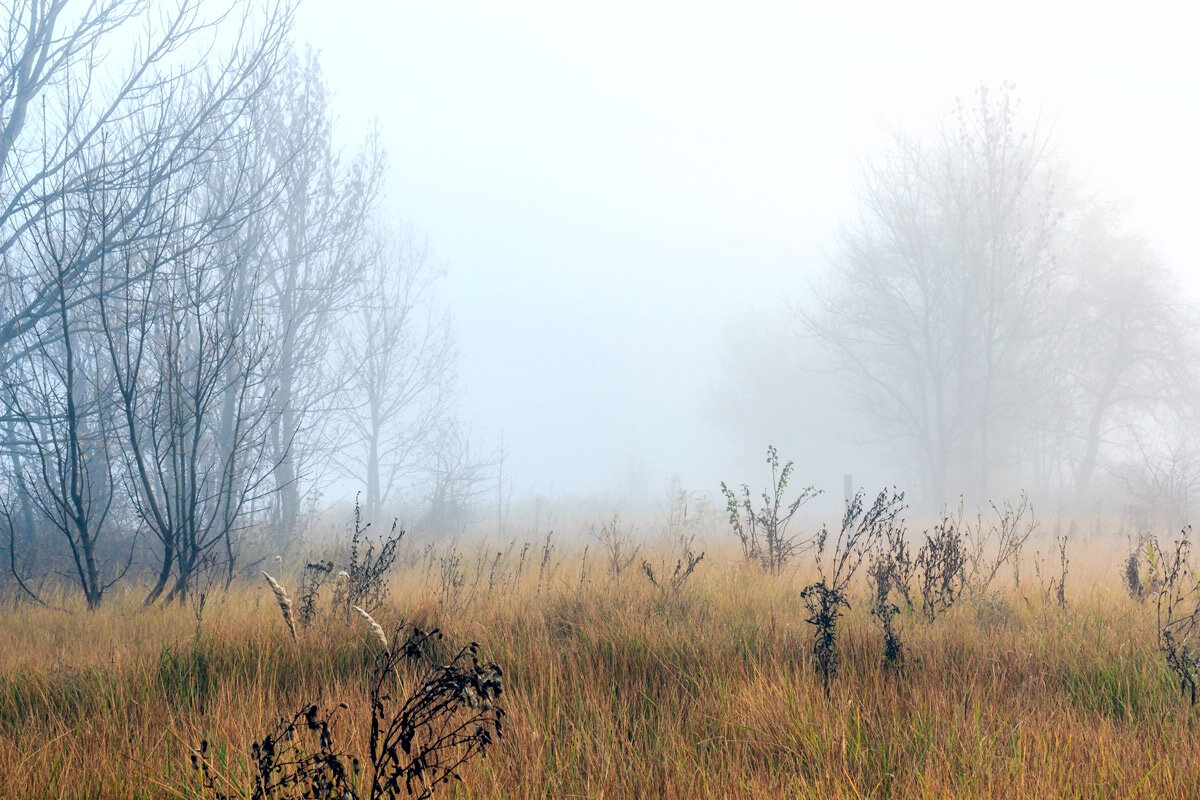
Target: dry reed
<point>375,627</point>
<point>613,691</point>
<point>285,605</point>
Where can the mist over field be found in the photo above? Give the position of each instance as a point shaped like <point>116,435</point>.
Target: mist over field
<point>471,265</point>
<point>634,201</point>
<point>598,400</point>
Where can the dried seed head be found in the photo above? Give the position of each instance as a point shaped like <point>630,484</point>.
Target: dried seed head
<point>374,626</point>
<point>285,605</point>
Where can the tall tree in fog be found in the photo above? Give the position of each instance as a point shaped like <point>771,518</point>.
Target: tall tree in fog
<point>182,326</point>
<point>1130,356</point>
<point>60,393</point>
<point>459,477</point>
<point>993,324</point>
<point>937,305</point>
<point>103,162</point>
<point>399,357</point>
<point>186,351</point>
<point>309,273</point>
<point>64,99</point>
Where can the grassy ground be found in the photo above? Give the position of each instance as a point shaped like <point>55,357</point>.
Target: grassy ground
<point>617,690</point>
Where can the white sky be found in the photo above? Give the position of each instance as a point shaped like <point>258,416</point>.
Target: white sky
<point>616,185</point>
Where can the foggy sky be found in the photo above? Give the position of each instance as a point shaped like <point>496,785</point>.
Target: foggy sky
<point>617,188</point>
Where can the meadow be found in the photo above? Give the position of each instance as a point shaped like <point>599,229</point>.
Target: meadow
<point>616,686</point>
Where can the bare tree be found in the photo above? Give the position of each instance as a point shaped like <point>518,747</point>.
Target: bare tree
<point>934,302</point>
<point>1128,349</point>
<point>399,354</point>
<point>186,339</point>
<point>459,476</point>
<point>104,156</point>
<point>62,101</point>
<point>991,323</point>
<point>309,273</point>
<point>60,394</point>
<point>180,350</point>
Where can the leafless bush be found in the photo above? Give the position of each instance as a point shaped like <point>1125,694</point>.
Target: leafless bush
<point>763,533</point>
<point>992,543</point>
<point>617,543</point>
<point>1163,479</point>
<point>941,566</point>
<point>685,565</point>
<point>418,741</point>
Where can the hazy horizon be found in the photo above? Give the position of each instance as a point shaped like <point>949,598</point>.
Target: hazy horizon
<point>617,189</point>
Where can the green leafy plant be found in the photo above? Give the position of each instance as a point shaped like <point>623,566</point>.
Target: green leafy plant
<point>763,533</point>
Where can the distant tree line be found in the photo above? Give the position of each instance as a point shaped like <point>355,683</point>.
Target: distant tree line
<point>204,318</point>
<point>1000,328</point>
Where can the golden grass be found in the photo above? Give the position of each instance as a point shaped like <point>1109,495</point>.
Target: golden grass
<point>615,690</point>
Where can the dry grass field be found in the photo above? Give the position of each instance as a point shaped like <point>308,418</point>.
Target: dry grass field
<point>614,688</point>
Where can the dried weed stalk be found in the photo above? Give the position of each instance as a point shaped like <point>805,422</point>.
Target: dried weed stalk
<point>420,738</point>
<point>826,600</point>
<point>883,575</point>
<point>685,565</point>
<point>941,566</point>
<point>297,759</point>
<point>366,573</point>
<point>1178,613</point>
<point>311,580</point>
<point>1054,587</point>
<point>763,533</point>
